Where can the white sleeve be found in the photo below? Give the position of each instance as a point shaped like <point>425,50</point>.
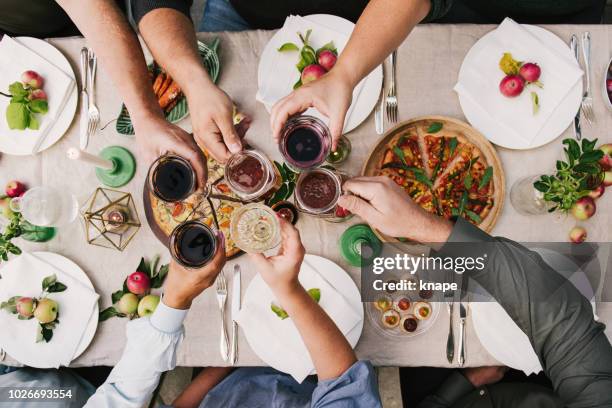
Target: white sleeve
<point>150,350</point>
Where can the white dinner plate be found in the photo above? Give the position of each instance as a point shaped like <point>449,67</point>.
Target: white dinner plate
<point>29,355</point>
<point>64,119</point>
<point>366,101</point>
<point>558,121</point>
<point>336,277</point>
<point>498,333</point>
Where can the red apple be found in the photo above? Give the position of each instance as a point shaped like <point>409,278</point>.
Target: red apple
<point>38,94</point>
<point>606,160</point>
<point>530,72</point>
<point>511,85</point>
<point>312,73</point>
<point>15,189</point>
<point>584,208</point>
<point>25,306</point>
<point>327,59</point>
<point>138,283</point>
<point>597,191</point>
<point>609,85</point>
<point>577,235</point>
<point>32,79</point>
<point>607,181</point>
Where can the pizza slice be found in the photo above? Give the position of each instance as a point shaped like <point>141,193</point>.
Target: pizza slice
<point>439,151</point>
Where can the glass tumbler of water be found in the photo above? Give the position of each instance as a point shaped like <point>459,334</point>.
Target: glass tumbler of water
<point>46,207</point>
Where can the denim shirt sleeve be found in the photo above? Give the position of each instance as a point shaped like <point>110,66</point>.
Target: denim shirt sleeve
<point>357,387</point>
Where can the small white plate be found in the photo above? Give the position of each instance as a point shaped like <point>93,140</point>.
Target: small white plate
<point>336,277</point>
<point>559,120</point>
<point>368,96</point>
<point>28,355</point>
<point>64,119</point>
<point>501,336</point>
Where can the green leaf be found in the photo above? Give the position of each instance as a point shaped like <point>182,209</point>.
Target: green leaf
<point>589,168</point>
<point>591,156</point>
<point>467,181</point>
<point>297,84</point>
<point>329,46</point>
<point>290,189</point>
<point>280,195</point>
<point>158,279</point>
<point>453,146</point>
<point>301,65</point>
<point>421,177</point>
<point>509,65</point>
<point>116,296</point>
<point>279,311</point>
<point>17,116</point>
<point>435,127</point>
<point>33,122</point>
<point>573,149</point>
<point>108,313</point>
<point>39,106</point>
<point>588,145</point>
<point>45,334</point>
<point>315,294</point>
<point>473,216</point>
<point>57,287</point>
<point>288,47</point>
<point>281,170</point>
<point>486,177</point>
<point>462,202</point>
<point>144,266</point>
<point>48,281</point>
<point>535,102</point>
<point>16,89</point>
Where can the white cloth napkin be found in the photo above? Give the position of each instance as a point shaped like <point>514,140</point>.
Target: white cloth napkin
<point>23,276</point>
<point>282,73</point>
<point>480,81</point>
<point>14,60</point>
<point>266,331</point>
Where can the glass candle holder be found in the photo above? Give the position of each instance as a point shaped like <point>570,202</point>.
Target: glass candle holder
<point>251,175</point>
<point>171,178</point>
<point>317,192</point>
<point>525,199</point>
<point>305,142</point>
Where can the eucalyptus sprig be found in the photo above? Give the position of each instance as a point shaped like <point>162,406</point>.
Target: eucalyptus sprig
<point>574,177</point>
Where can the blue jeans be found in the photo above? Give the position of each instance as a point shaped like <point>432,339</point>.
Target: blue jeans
<point>220,15</point>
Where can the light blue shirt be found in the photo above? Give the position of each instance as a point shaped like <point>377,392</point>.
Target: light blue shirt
<point>151,350</point>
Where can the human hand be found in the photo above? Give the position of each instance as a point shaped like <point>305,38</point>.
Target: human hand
<point>331,95</point>
<point>381,203</point>
<point>281,271</point>
<point>212,117</point>
<point>156,137</point>
<point>183,285</point>
<point>480,376</point>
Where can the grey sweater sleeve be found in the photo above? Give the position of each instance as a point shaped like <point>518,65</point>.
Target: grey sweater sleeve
<point>438,9</point>
<point>141,7</point>
<point>573,349</point>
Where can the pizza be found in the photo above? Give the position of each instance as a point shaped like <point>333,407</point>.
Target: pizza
<point>441,170</point>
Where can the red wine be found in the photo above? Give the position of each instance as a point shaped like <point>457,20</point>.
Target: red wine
<point>172,178</point>
<point>305,142</point>
<point>193,244</point>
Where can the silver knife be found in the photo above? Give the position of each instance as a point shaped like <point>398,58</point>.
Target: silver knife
<point>379,118</point>
<point>450,305</point>
<point>462,320</point>
<point>577,128</point>
<point>83,136</point>
<point>235,309</point>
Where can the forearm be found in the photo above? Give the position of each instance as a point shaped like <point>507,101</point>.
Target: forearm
<point>382,27</point>
<point>331,353</point>
<point>558,320</point>
<point>119,53</point>
<point>170,37</point>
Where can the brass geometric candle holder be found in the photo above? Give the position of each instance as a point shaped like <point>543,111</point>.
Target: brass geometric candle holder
<point>110,219</point>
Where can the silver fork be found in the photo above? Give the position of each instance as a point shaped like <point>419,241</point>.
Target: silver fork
<point>93,113</point>
<point>587,100</point>
<point>221,299</point>
<point>391,100</point>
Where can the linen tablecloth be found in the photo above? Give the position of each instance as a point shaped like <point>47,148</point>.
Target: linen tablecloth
<point>427,67</point>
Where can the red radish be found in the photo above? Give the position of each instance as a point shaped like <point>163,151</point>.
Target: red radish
<point>511,86</point>
<point>597,191</point>
<point>312,73</point>
<point>530,72</point>
<point>584,208</point>
<point>38,94</point>
<point>609,84</point>
<point>15,189</point>
<point>32,79</point>
<point>327,59</point>
<point>577,235</point>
